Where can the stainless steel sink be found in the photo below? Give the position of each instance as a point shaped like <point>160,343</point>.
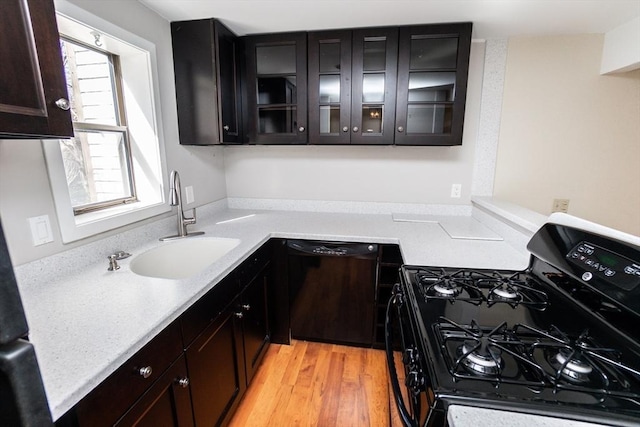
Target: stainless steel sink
<point>183,258</point>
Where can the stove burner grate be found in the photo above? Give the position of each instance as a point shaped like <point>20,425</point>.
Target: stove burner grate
<point>578,364</point>
<point>539,359</point>
<point>472,352</point>
<point>437,283</point>
<point>514,289</point>
<point>478,287</point>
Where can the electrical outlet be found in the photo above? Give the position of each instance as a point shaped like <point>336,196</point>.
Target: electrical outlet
<point>456,191</point>
<point>560,205</point>
<point>189,193</point>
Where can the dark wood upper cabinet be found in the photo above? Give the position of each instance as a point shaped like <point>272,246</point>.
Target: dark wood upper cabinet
<point>275,88</point>
<point>207,79</point>
<point>433,65</point>
<point>33,92</point>
<point>329,87</point>
<point>352,86</point>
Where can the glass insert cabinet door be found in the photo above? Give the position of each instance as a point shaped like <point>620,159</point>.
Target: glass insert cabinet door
<point>276,89</point>
<point>432,77</point>
<point>352,86</point>
<point>329,63</point>
<point>375,58</point>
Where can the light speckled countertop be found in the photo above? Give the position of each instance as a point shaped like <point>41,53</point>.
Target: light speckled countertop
<point>469,416</point>
<point>86,321</point>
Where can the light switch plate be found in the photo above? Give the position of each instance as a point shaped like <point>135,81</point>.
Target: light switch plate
<point>40,230</point>
<point>189,193</point>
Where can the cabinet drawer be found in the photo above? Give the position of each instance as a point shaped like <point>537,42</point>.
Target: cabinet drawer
<point>250,268</point>
<point>166,403</point>
<point>207,308</point>
<point>109,401</point>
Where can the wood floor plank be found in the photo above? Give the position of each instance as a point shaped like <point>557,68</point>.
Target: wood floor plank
<point>331,391</point>
<point>316,384</point>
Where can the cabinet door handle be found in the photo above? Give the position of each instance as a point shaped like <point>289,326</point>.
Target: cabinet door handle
<point>239,315</point>
<point>145,372</point>
<point>345,129</point>
<point>63,104</point>
<point>301,129</point>
<point>226,127</point>
<point>183,382</point>
<point>356,128</point>
<point>400,129</point>
<point>246,307</point>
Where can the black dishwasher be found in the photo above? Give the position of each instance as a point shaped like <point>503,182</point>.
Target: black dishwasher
<point>332,291</point>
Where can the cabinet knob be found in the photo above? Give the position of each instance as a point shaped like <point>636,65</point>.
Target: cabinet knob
<point>63,104</point>
<point>183,382</point>
<point>400,129</point>
<point>239,315</point>
<point>301,129</point>
<point>145,372</point>
<point>226,127</point>
<point>246,307</point>
<point>356,128</point>
<point>345,129</point>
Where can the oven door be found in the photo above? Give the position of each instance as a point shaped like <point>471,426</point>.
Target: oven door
<point>405,361</point>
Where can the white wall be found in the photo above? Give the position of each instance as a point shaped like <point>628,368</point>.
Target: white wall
<point>569,132</point>
<point>621,50</point>
<point>362,173</point>
<point>24,185</point>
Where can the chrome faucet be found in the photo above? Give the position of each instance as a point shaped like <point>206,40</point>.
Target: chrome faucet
<point>175,199</point>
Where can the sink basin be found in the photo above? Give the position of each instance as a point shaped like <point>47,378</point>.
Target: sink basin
<point>182,258</point>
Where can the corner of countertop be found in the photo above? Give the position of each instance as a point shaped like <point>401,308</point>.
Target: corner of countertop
<point>518,216</point>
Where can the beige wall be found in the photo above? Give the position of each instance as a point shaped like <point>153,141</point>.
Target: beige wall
<point>569,132</point>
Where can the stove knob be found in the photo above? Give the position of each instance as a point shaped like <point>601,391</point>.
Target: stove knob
<point>414,381</point>
<point>409,356</point>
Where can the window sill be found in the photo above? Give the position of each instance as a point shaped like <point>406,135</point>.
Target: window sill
<point>74,228</point>
<point>119,211</point>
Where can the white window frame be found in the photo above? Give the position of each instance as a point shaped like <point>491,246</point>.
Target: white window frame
<point>141,94</point>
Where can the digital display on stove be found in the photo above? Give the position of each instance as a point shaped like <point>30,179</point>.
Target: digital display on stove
<point>606,265</point>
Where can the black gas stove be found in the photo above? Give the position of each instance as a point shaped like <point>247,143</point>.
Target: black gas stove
<point>561,338</point>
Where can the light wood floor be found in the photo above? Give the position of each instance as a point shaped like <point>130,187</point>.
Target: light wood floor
<point>315,384</point>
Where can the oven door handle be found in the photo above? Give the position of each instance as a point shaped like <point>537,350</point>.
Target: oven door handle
<point>395,383</point>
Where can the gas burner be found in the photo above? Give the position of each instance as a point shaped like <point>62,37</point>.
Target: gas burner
<point>446,288</point>
<point>452,285</point>
<point>480,357</point>
<point>506,292</point>
<point>571,367</point>
<point>512,289</point>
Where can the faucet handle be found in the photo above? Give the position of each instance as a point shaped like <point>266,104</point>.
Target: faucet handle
<point>113,263</point>
<point>192,220</point>
<point>122,255</point>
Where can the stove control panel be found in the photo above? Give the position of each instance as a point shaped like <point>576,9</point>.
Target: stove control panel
<point>604,264</point>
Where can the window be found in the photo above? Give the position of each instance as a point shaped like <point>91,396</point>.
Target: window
<point>112,173</point>
<point>97,161</point>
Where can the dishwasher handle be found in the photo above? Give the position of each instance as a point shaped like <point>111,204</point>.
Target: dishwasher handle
<point>316,248</point>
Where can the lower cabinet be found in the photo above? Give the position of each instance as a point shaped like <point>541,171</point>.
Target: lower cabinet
<point>216,367</point>
<point>166,403</point>
<point>254,315</point>
<point>196,370</point>
<point>151,371</point>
